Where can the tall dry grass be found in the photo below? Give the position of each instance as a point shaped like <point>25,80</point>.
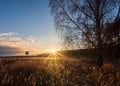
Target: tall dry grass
<point>56,72</point>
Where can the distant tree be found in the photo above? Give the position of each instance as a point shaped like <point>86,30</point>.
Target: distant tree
<point>26,53</point>
<point>81,22</point>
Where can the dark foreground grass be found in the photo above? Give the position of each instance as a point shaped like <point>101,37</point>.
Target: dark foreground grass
<point>56,72</point>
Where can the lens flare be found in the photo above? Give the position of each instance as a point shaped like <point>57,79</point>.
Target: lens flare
<point>53,50</point>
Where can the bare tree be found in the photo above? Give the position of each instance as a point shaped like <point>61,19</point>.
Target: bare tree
<point>81,22</point>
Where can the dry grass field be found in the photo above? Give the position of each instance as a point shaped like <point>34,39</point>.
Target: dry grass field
<point>56,71</point>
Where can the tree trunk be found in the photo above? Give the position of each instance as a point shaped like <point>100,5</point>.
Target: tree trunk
<point>99,40</point>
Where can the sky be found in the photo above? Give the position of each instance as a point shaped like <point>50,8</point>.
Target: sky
<point>26,25</point>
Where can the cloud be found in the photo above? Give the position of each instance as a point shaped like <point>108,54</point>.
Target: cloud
<point>7,50</point>
<point>13,43</point>
<point>7,34</point>
<point>12,40</point>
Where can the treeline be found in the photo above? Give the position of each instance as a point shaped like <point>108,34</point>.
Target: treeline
<point>109,52</point>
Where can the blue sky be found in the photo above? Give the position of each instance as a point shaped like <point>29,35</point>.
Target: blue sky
<point>27,19</point>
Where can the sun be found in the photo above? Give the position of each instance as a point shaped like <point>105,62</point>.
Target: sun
<point>53,51</point>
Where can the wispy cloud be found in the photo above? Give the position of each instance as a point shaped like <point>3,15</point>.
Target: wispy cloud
<point>7,34</point>
<point>13,42</point>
